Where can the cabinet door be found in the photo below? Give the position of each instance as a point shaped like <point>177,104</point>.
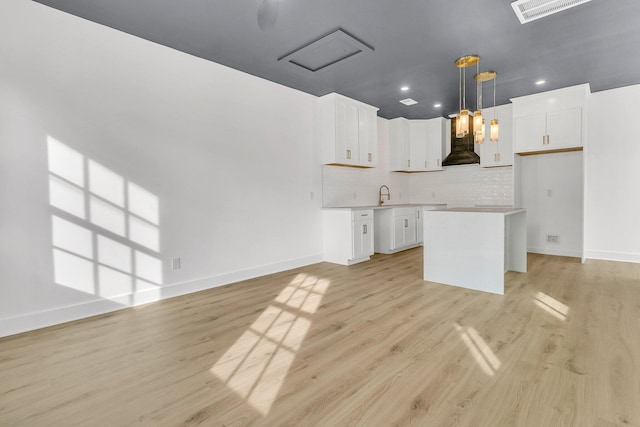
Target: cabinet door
<point>434,145</point>
<point>564,129</point>
<point>399,144</point>
<point>362,239</point>
<point>410,236</point>
<point>368,137</point>
<point>347,130</point>
<point>418,134</point>
<point>530,132</point>
<point>419,226</point>
<point>404,230</point>
<point>498,153</point>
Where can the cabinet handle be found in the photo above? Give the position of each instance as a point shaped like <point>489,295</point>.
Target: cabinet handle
<point>438,162</point>
<point>408,163</point>
<point>364,228</point>
<point>425,164</point>
<point>418,212</point>
<point>548,139</point>
<point>544,139</point>
<point>370,157</point>
<point>406,223</point>
<point>349,154</point>
<point>498,154</point>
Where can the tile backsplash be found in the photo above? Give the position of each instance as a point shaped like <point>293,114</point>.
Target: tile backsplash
<point>466,185</point>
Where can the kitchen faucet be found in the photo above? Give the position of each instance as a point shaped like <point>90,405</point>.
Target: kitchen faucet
<point>380,194</point>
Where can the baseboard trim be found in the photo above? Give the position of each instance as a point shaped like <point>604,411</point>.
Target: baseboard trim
<point>37,320</point>
<point>556,252</point>
<point>613,256</point>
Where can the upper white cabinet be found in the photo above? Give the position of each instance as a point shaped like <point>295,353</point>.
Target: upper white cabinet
<point>399,158</point>
<point>347,131</point>
<point>500,153</point>
<point>550,121</point>
<point>416,145</point>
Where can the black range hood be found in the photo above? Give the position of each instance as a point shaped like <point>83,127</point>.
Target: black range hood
<point>461,148</point>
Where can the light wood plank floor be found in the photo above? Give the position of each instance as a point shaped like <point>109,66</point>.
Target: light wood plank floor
<point>326,345</point>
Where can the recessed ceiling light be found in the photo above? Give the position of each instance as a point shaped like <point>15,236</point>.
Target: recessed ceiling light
<point>409,101</point>
<point>437,105</point>
<point>541,82</point>
<point>404,88</point>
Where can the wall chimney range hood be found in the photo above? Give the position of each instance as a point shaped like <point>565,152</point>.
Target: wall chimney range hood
<point>461,149</point>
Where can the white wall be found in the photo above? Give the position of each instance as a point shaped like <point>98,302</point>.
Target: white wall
<point>551,189</point>
<point>117,154</point>
<point>346,186</point>
<point>612,229</point>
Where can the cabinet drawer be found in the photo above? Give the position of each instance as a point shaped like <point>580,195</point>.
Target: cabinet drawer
<point>404,211</point>
<point>361,214</point>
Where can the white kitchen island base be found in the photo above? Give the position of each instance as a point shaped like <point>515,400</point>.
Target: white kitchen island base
<point>473,247</point>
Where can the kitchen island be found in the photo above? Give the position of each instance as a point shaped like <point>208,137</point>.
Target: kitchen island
<point>473,247</point>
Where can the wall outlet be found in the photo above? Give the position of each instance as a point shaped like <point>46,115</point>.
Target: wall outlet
<point>549,193</point>
<point>553,239</point>
<point>355,195</point>
<point>311,195</point>
<point>175,263</point>
<point>433,194</point>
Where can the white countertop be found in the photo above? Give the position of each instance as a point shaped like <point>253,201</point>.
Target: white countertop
<point>497,210</point>
<point>406,205</point>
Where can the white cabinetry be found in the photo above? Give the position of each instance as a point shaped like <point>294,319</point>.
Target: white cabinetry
<point>348,235</point>
<point>500,153</point>
<point>347,131</point>
<point>396,229</point>
<point>416,145</point>
<point>399,157</point>
<point>550,121</point>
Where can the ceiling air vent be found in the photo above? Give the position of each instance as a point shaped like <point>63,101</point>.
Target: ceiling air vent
<point>530,10</point>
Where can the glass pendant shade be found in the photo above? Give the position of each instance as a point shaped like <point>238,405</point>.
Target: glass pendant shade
<point>480,134</point>
<point>462,124</point>
<point>495,131</point>
<point>477,121</point>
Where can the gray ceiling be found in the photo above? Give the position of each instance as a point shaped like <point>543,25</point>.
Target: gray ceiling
<point>415,42</point>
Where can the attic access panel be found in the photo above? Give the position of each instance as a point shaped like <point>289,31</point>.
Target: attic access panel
<point>530,10</point>
<point>327,52</point>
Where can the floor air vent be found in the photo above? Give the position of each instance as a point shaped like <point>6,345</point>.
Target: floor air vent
<point>530,10</point>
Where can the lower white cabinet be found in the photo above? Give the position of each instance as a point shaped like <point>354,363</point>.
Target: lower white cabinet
<point>396,229</point>
<point>348,235</point>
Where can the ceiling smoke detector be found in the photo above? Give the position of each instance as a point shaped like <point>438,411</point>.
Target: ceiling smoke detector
<point>530,10</point>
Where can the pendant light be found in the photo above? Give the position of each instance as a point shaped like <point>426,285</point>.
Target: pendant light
<point>477,115</point>
<point>480,78</point>
<point>462,120</point>
<point>495,130</point>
